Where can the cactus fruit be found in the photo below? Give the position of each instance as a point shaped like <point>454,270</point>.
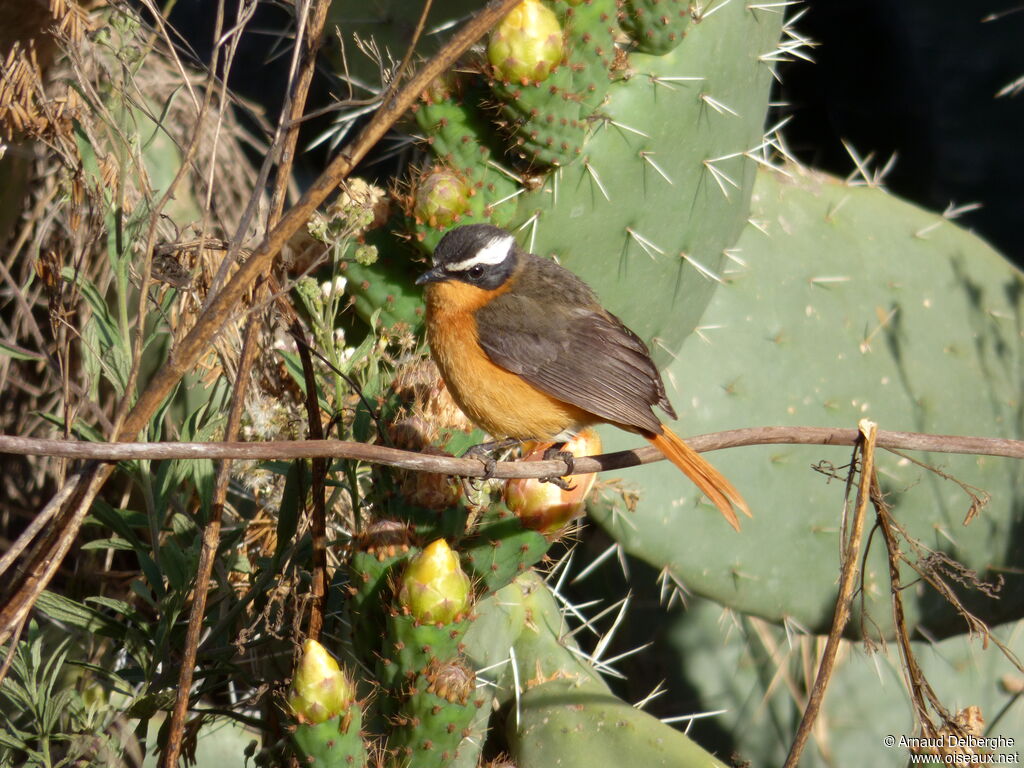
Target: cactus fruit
<point>546,507</point>
<point>825,325</point>
<point>322,699</point>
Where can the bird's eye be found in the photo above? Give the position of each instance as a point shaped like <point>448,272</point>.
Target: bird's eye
<point>476,272</point>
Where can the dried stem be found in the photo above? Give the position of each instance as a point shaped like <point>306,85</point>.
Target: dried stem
<point>207,557</point>
<point>318,526</point>
<point>303,69</point>
<point>847,583</point>
<point>378,454</point>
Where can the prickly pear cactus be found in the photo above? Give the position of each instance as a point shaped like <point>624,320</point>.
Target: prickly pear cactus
<point>435,718</point>
<point>451,656</point>
<point>429,616</point>
<point>503,548</point>
<point>576,724</point>
<point>733,662</point>
<point>634,161</point>
<point>849,304</point>
<point>656,26</point>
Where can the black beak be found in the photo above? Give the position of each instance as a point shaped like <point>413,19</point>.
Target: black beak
<point>431,276</point>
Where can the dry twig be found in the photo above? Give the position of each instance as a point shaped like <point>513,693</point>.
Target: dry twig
<point>378,454</point>
<point>850,559</point>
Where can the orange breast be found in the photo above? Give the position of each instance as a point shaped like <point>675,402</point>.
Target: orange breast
<point>498,401</point>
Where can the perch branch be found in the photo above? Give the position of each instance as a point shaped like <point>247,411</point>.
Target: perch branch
<point>378,454</point>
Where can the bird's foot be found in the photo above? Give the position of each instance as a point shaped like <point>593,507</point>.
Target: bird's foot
<point>482,453</point>
<point>556,452</point>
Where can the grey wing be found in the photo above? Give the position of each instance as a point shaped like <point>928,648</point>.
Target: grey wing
<point>580,356</point>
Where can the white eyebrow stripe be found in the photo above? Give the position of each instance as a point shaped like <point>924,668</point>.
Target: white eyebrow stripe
<point>495,252</point>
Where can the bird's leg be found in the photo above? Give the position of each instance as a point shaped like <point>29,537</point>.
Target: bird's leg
<point>482,453</point>
<point>556,452</point>
<point>471,486</point>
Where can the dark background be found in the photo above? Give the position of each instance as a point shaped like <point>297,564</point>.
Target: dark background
<point>919,78</point>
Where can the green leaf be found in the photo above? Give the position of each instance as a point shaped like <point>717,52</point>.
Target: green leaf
<point>119,606</point>
<point>111,543</point>
<point>76,614</point>
<point>104,349</point>
<point>121,521</point>
<point>178,566</point>
<point>291,503</point>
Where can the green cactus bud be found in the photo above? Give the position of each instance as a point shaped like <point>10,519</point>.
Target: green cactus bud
<point>434,588</point>
<point>545,507</point>
<point>527,45</point>
<point>320,689</point>
<point>442,197</point>
<point>441,88</point>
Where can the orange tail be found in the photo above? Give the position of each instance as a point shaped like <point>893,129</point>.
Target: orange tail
<point>703,475</point>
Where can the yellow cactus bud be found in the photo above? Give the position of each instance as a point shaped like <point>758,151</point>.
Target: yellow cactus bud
<point>320,689</point>
<point>526,45</point>
<point>434,587</point>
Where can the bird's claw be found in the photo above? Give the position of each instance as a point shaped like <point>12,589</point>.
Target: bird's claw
<point>556,452</point>
<point>482,453</point>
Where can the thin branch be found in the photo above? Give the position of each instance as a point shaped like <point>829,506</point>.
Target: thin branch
<point>379,454</point>
<point>318,488</point>
<point>847,583</point>
<point>207,557</point>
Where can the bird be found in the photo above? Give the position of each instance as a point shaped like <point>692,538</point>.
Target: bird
<point>528,352</point>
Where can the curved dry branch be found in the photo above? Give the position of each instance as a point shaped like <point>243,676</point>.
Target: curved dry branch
<point>420,462</point>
